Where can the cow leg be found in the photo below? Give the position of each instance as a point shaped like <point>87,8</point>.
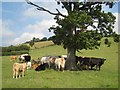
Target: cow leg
<point>16,74</point>
<point>80,66</point>
<point>56,66</point>
<point>19,74</point>
<point>91,67</point>
<point>23,73</point>
<point>99,68</point>
<point>96,67</point>
<point>27,67</point>
<point>49,65</point>
<point>62,68</point>
<point>87,67</point>
<point>13,73</point>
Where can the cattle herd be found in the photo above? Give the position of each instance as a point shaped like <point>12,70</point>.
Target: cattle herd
<point>52,62</point>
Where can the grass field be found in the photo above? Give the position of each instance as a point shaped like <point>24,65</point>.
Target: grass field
<point>106,78</point>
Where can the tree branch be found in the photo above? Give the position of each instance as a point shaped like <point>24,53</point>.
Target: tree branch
<point>66,5</point>
<point>43,9</point>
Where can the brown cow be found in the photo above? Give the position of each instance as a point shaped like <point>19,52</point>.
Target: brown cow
<point>19,68</point>
<point>34,66</point>
<point>13,58</point>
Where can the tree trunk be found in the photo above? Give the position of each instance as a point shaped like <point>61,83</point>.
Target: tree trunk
<point>71,59</point>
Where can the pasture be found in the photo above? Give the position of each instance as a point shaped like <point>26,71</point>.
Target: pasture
<point>107,77</point>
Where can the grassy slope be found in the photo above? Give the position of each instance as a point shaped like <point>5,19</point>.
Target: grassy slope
<point>42,44</point>
<point>106,78</point>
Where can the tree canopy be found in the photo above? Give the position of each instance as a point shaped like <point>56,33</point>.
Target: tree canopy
<point>72,29</point>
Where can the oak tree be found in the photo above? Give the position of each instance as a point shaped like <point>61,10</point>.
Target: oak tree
<point>73,30</point>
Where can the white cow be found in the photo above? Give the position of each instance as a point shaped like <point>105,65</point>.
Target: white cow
<point>25,57</point>
<point>45,59</point>
<point>48,59</point>
<point>29,65</point>
<point>60,63</point>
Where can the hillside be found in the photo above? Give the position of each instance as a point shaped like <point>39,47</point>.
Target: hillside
<point>107,77</point>
<point>42,44</point>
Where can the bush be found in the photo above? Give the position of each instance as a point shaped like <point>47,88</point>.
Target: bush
<point>24,47</point>
<point>15,50</point>
<point>50,38</point>
<point>116,38</point>
<point>107,42</point>
<point>13,53</point>
<point>31,43</point>
<point>44,39</point>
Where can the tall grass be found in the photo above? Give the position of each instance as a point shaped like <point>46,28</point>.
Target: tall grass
<point>106,78</point>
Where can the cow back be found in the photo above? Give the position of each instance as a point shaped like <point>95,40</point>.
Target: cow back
<point>20,66</point>
<point>27,58</point>
<point>96,61</point>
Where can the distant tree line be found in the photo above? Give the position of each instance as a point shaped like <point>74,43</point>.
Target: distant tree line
<point>14,50</point>
<point>115,36</point>
<point>32,42</point>
<point>38,40</point>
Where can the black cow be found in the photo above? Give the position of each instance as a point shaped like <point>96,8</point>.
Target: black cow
<point>84,61</point>
<point>96,61</point>
<point>77,59</point>
<point>90,62</point>
<point>41,67</point>
<point>27,58</point>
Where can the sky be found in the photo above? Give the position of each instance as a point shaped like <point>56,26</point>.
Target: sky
<point>21,22</point>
